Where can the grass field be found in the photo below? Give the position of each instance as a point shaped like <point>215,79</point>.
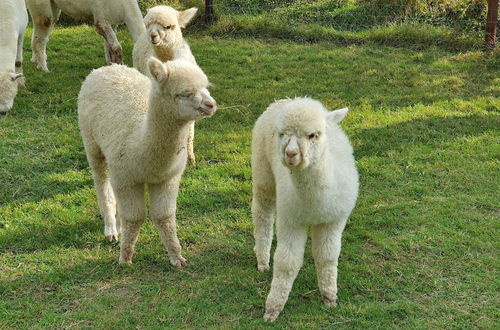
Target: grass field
<point>420,248</point>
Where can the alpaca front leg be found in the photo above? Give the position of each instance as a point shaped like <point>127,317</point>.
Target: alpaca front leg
<point>163,208</point>
<point>326,244</point>
<point>288,259</point>
<point>42,27</point>
<point>263,208</point>
<point>19,59</point>
<point>190,145</point>
<point>132,212</point>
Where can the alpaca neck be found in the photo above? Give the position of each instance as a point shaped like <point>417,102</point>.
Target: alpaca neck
<point>317,176</point>
<point>163,134</point>
<point>165,54</point>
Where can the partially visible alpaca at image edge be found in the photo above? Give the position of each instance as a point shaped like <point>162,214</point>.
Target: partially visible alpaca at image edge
<point>134,131</point>
<point>105,15</point>
<point>304,170</point>
<point>13,21</point>
<point>163,39</point>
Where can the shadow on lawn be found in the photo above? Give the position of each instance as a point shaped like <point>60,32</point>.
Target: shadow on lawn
<point>433,132</point>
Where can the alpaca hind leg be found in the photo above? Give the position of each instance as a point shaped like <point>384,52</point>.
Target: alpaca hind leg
<point>288,259</point>
<point>326,244</point>
<point>132,212</point>
<point>105,195</point>
<point>112,48</point>
<point>163,207</point>
<point>263,208</point>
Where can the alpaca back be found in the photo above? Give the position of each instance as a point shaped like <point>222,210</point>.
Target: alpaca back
<point>112,104</point>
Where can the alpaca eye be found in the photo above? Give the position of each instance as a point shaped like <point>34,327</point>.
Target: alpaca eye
<point>312,136</point>
<point>167,27</point>
<point>186,95</point>
<point>282,134</point>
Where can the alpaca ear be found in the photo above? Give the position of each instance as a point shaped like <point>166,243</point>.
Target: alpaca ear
<point>184,17</point>
<point>15,76</point>
<point>157,69</point>
<point>337,115</point>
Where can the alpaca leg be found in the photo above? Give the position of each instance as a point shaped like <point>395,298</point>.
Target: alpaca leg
<point>105,195</point>
<point>132,212</point>
<point>112,47</point>
<point>43,19</point>
<point>288,259</point>
<point>190,145</point>
<point>163,207</point>
<point>19,59</point>
<point>39,39</point>
<point>263,208</point>
<point>326,243</point>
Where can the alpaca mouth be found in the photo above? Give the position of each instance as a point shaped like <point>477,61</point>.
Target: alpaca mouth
<point>292,161</point>
<point>206,112</point>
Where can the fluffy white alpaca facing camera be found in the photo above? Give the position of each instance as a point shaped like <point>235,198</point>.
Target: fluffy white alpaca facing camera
<point>303,171</point>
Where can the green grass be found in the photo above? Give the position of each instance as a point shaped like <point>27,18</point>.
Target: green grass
<point>421,247</point>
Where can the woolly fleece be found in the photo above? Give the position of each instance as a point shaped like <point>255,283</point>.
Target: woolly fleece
<point>134,131</point>
<point>105,15</point>
<point>13,21</point>
<point>304,171</point>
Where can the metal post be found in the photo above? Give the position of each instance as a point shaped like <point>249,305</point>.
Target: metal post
<point>490,35</point>
<point>209,12</point>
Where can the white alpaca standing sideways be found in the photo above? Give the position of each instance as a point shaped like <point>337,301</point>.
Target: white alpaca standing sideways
<point>134,131</point>
<point>106,15</point>
<point>13,21</point>
<point>302,169</point>
<point>163,40</point>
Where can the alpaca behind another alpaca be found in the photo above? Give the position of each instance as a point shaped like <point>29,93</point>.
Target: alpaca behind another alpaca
<point>163,39</point>
<point>302,168</point>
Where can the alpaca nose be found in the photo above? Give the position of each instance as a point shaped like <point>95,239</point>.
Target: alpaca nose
<point>209,104</point>
<point>154,37</point>
<point>291,154</point>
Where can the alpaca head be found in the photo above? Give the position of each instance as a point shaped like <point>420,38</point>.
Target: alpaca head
<point>8,90</point>
<point>301,131</point>
<point>164,23</point>
<point>185,85</point>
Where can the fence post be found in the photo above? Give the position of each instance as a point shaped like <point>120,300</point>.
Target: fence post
<point>490,35</point>
<point>209,12</point>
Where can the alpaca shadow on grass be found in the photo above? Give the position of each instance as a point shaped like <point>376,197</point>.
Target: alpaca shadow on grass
<point>433,132</point>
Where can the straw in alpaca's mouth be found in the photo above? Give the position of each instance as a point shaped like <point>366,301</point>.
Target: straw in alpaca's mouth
<point>207,112</point>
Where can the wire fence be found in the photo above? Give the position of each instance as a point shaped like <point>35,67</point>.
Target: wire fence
<point>462,19</point>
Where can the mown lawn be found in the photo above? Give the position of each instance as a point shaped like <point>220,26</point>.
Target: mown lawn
<point>421,247</point>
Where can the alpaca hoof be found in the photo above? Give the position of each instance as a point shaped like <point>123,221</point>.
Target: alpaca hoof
<point>178,261</point>
<point>263,267</point>
<point>330,302</point>
<point>191,160</point>
<point>271,316</point>
<point>125,262</point>
<point>42,67</point>
<point>112,237</point>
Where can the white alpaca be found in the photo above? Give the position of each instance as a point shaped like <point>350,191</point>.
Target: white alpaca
<point>163,40</point>
<point>134,131</point>
<point>105,15</point>
<point>13,21</point>
<point>303,169</point>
